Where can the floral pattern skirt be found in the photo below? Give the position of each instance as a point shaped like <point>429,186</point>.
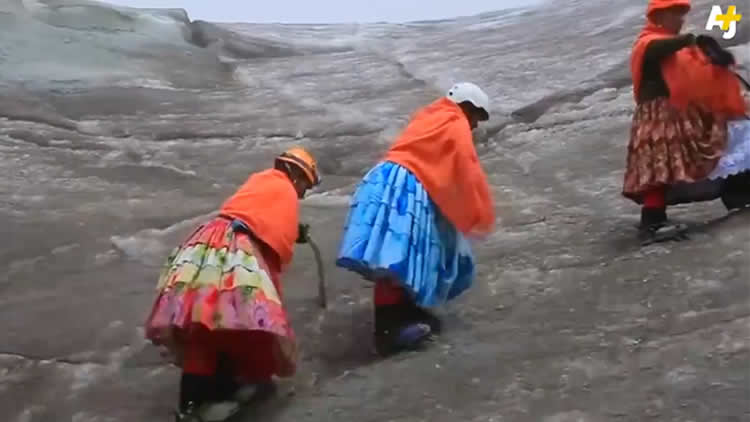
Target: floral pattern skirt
<point>216,293</point>
<point>669,146</point>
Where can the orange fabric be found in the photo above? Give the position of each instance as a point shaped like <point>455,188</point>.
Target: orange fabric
<point>268,204</point>
<point>655,5</point>
<point>437,146</point>
<point>691,78</point>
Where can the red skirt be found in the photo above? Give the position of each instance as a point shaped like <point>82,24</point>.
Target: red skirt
<point>669,146</point>
<point>219,292</point>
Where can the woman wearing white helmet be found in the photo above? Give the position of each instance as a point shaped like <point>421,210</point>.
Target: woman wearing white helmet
<point>410,215</point>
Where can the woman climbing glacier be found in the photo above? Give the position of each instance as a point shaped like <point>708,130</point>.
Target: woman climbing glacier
<point>690,137</point>
<point>219,309</point>
<point>410,215</point>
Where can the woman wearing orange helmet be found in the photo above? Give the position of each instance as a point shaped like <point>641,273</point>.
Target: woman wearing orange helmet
<point>219,307</point>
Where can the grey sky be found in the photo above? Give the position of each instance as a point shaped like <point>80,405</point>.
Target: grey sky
<point>323,11</point>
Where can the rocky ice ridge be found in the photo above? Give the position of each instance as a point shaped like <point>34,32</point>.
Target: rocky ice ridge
<point>123,128</point>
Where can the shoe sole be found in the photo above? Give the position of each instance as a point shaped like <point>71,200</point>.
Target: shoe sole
<point>213,414</point>
<point>387,348</point>
<point>675,233</point>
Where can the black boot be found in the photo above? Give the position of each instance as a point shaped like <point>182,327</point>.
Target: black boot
<point>386,322</point>
<point>395,331</point>
<point>195,390</point>
<point>226,385</point>
<point>655,227</point>
<point>736,192</point>
<point>417,314</point>
<point>653,217</point>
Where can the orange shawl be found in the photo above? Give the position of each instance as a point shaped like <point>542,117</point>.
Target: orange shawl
<point>268,204</point>
<point>437,146</point>
<point>690,76</point>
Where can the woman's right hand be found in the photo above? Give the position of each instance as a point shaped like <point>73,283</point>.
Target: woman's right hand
<point>303,232</point>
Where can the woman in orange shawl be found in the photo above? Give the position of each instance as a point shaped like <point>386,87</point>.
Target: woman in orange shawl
<point>219,307</point>
<point>410,215</point>
<point>684,101</point>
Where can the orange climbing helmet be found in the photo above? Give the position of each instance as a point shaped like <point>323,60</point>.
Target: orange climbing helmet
<point>303,160</point>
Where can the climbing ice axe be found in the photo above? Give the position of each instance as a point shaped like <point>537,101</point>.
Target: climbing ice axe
<point>322,301</point>
<point>742,80</point>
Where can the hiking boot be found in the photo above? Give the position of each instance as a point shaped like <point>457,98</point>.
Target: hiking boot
<point>732,203</point>
<point>409,337</point>
<point>736,192</point>
<point>417,314</point>
<point>655,227</point>
<point>189,414</point>
<point>218,411</point>
<point>396,331</point>
<point>663,233</point>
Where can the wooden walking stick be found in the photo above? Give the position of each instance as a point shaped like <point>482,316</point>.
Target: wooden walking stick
<point>322,300</point>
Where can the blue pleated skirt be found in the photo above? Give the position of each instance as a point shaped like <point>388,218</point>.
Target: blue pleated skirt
<point>736,158</point>
<point>395,231</point>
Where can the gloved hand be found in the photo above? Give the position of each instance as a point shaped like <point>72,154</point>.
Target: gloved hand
<point>303,230</point>
<point>711,48</point>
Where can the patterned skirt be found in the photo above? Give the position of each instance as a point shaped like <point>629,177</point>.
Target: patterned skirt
<point>395,232</point>
<point>217,291</point>
<point>669,146</point>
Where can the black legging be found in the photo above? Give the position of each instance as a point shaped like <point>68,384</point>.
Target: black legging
<point>200,389</point>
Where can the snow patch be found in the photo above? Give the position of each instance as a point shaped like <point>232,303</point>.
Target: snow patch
<point>151,246</point>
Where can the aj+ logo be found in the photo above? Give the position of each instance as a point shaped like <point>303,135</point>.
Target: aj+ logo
<point>727,22</point>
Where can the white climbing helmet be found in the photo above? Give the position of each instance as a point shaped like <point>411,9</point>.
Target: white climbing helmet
<point>467,91</point>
